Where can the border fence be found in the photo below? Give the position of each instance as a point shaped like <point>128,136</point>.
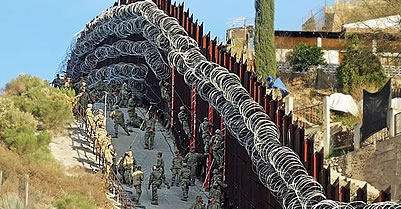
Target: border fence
<point>245,191</point>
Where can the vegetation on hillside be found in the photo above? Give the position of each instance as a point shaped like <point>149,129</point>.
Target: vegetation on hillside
<point>305,56</point>
<point>265,52</point>
<point>359,67</point>
<point>24,149</point>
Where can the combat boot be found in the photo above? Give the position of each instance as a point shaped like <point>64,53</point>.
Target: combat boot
<point>115,136</point>
<point>184,199</point>
<point>154,202</point>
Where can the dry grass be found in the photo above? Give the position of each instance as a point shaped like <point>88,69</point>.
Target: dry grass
<point>48,183</point>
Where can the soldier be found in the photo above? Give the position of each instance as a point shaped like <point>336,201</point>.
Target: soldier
<point>183,118</point>
<point>119,120</point>
<point>204,128</point>
<point>101,139</point>
<point>176,167</point>
<point>99,118</point>
<point>129,164</point>
<point>123,95</point>
<point>132,103</point>
<point>155,180</point>
<point>217,148</point>
<point>198,204</point>
<point>213,204</point>
<point>83,98</point>
<point>137,179</point>
<point>90,121</point>
<point>68,84</point>
<point>57,81</point>
<point>192,158</point>
<point>160,161</point>
<point>215,193</point>
<point>134,120</point>
<point>150,132</point>
<point>185,180</point>
<point>108,156</point>
<point>165,93</point>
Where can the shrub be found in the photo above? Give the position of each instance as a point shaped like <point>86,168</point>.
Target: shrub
<point>304,57</point>
<point>50,106</point>
<point>74,201</point>
<point>359,67</point>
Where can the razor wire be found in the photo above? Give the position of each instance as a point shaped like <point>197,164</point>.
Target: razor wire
<point>278,167</point>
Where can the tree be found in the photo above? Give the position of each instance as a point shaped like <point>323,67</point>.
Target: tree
<point>305,56</point>
<point>265,52</point>
<point>359,67</point>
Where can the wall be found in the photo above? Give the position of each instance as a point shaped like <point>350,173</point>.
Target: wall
<point>377,164</point>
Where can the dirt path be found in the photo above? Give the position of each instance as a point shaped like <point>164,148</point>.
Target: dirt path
<point>73,151</point>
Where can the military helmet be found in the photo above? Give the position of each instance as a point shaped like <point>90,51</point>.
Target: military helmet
<point>205,119</point>
<point>182,108</point>
<point>90,105</point>
<point>100,110</point>
<point>116,107</point>
<point>217,131</point>
<point>184,164</point>
<point>215,171</point>
<point>139,167</point>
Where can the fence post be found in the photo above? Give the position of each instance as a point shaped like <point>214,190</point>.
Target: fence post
<point>391,122</point>
<point>289,104</point>
<point>26,191</point>
<point>326,126</point>
<point>357,136</point>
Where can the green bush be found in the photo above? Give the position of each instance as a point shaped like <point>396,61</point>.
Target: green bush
<point>74,201</point>
<point>50,106</point>
<point>304,57</point>
<point>359,67</point>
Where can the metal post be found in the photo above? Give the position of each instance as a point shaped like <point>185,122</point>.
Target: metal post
<point>26,191</point>
<point>105,108</point>
<point>326,126</point>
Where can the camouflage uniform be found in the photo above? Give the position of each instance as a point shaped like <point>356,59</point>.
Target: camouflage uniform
<point>99,118</point>
<point>176,167</point>
<point>160,162</point>
<point>192,158</point>
<point>217,185</point>
<point>183,118</point>
<point>216,193</point>
<point>57,81</point>
<point>119,120</point>
<point>101,140</point>
<point>90,121</point>
<point>129,164</point>
<point>150,133</point>
<point>137,179</point>
<point>204,129</point>
<point>156,179</point>
<point>123,95</point>
<point>134,120</point>
<point>198,204</point>
<point>108,156</point>
<point>165,93</point>
<point>83,98</point>
<point>217,147</point>
<point>185,180</point>
<point>213,204</point>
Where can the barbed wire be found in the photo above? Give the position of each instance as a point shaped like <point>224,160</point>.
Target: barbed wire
<point>278,167</point>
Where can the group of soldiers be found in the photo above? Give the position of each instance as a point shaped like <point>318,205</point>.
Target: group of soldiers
<point>183,168</point>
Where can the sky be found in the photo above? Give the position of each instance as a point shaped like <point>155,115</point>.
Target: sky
<point>35,35</point>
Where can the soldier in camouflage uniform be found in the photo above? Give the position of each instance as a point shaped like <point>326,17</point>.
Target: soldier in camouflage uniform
<point>90,121</point>
<point>119,120</point>
<point>123,95</point>
<point>165,93</point>
<point>217,185</point>
<point>213,204</point>
<point>101,139</point>
<point>176,167</point>
<point>109,156</point>
<point>183,118</point>
<point>99,118</point>
<point>160,161</point>
<point>204,129</point>
<point>150,132</point>
<point>129,164</point>
<point>198,204</point>
<point>83,98</point>
<point>185,181</point>
<point>134,120</point>
<point>215,193</point>
<point>217,148</point>
<point>156,179</point>
<point>57,81</point>
<point>137,179</point>
<point>192,158</point>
